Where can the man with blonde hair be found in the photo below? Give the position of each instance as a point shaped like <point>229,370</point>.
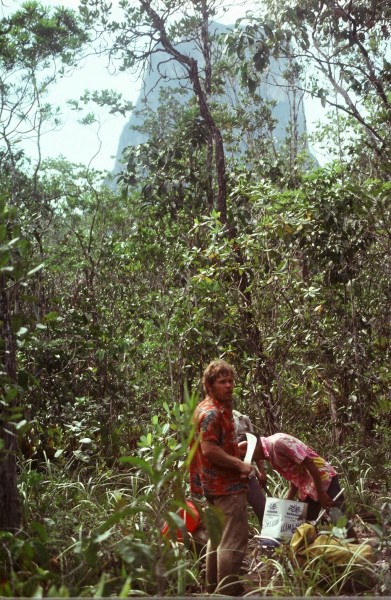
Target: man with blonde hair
<point>218,473</point>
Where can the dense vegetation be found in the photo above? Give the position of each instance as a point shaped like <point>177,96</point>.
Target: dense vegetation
<point>214,242</point>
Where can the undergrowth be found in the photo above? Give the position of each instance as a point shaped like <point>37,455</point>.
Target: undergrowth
<point>93,530</point>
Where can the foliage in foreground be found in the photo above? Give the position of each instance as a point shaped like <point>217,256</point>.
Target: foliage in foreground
<point>92,531</point>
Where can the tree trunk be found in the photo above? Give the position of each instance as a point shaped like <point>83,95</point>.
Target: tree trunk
<point>192,68</point>
<point>10,509</point>
<point>336,427</point>
<point>264,377</point>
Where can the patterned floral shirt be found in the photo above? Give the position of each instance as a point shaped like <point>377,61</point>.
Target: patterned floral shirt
<point>286,453</point>
<point>214,422</point>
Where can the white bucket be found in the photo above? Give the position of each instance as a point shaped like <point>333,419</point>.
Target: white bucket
<point>282,517</point>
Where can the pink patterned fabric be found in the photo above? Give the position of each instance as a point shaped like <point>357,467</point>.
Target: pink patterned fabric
<point>286,453</point>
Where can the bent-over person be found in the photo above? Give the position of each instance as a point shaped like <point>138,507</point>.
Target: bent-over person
<point>311,478</point>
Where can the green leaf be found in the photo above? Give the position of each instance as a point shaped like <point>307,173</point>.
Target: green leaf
<point>214,522</point>
<point>3,234</point>
<point>40,530</point>
<point>51,316</point>
<point>81,456</point>
<point>23,426</point>
<point>116,517</point>
<point>100,537</point>
<point>127,586</point>
<point>137,462</point>
<point>22,331</point>
<point>37,268</point>
<point>12,242</point>
<point>23,379</point>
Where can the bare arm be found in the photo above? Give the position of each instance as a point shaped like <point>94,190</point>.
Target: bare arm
<point>260,472</point>
<point>291,495</point>
<point>218,457</point>
<point>323,497</point>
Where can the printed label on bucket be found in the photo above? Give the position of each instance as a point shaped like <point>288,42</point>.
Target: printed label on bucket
<point>282,517</point>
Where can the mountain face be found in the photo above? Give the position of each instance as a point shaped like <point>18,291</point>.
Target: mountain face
<point>164,73</point>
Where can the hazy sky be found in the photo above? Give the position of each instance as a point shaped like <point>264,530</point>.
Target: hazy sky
<point>80,143</point>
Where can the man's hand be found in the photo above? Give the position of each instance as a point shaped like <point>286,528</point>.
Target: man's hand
<point>217,456</point>
<point>260,472</point>
<point>245,470</point>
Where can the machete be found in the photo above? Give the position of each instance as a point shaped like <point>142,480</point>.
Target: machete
<point>251,443</point>
<point>337,513</point>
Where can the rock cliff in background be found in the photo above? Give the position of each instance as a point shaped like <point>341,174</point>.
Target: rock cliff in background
<point>163,72</point>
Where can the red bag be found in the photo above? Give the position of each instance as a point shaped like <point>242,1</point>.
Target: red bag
<point>191,519</point>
